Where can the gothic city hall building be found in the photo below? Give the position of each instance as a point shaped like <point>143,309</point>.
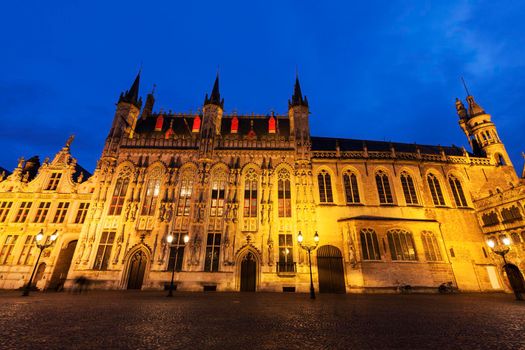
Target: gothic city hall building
<point>234,191</point>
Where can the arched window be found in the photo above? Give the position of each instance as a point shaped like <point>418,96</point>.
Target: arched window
<point>457,191</point>
<point>409,190</point>
<point>401,245</point>
<point>369,245</point>
<point>250,200</point>
<point>119,196</point>
<point>185,192</point>
<point>383,188</point>
<point>218,191</point>
<point>511,214</point>
<point>490,219</point>
<point>500,160</point>
<point>351,189</point>
<point>284,194</point>
<point>431,246</point>
<point>325,187</point>
<point>151,196</point>
<point>516,239</point>
<point>435,190</point>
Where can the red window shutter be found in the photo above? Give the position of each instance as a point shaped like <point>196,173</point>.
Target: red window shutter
<point>235,125</point>
<point>196,124</point>
<point>271,125</point>
<point>160,121</point>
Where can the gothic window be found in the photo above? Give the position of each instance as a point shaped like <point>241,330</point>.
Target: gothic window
<point>151,197</point>
<point>351,189</point>
<point>26,256</point>
<point>250,194</point>
<point>4,210</point>
<point>409,190</point>
<point>499,159</point>
<point>284,194</point>
<point>61,212</point>
<point>431,246</point>
<point>218,195</point>
<point>119,196</point>
<point>457,191</point>
<point>185,192</point>
<point>218,191</point>
<point>511,214</point>
<point>213,248</point>
<point>41,213</point>
<point>21,216</point>
<point>104,250</point>
<point>490,219</point>
<point>516,239</point>
<point>176,252</point>
<point>401,245</point>
<point>52,184</point>
<point>250,201</point>
<point>286,263</point>
<point>81,213</point>
<point>369,245</point>
<point>325,187</point>
<point>383,188</point>
<point>435,190</point>
<point>6,254</point>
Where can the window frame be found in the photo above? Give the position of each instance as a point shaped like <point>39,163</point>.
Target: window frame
<point>436,190</point>
<point>351,187</point>
<point>409,189</point>
<point>385,194</point>
<point>324,182</point>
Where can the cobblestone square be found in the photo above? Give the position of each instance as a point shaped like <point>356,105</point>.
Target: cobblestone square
<point>150,320</point>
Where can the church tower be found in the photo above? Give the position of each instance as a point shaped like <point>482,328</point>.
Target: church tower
<point>212,111</point>
<point>128,110</point>
<point>299,127</point>
<point>481,132</point>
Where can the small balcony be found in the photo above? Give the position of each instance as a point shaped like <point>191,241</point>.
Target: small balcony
<point>286,269</point>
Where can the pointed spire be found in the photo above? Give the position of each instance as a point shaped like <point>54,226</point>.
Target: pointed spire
<point>297,97</point>
<point>132,95</point>
<point>473,108</point>
<point>215,97</point>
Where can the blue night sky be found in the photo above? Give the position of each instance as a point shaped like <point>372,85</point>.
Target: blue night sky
<point>380,70</point>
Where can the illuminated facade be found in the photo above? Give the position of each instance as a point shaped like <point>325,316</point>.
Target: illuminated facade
<point>242,187</point>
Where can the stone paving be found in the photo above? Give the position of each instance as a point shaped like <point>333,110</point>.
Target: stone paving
<point>212,320</point>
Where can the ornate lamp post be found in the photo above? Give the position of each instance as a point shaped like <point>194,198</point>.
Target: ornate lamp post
<point>502,250</point>
<point>169,239</point>
<point>309,248</point>
<point>48,242</point>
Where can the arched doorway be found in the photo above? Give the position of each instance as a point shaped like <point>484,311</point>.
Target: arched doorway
<point>137,267</point>
<point>62,267</point>
<point>330,269</point>
<point>248,273</point>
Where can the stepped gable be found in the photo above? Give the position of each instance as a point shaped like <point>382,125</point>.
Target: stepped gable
<point>330,144</point>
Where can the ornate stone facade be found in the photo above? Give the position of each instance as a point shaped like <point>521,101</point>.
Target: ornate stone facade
<point>241,187</point>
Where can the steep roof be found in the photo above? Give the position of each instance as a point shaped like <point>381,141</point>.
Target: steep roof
<point>330,144</point>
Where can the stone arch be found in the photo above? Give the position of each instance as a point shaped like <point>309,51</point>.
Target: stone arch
<point>138,248</point>
<point>239,256</point>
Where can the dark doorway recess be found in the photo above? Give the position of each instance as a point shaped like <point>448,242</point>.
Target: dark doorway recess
<point>137,267</point>
<point>248,273</point>
<point>330,267</point>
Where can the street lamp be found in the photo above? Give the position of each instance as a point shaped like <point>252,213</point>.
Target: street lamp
<point>48,242</point>
<point>169,239</point>
<point>502,250</point>
<point>309,248</point>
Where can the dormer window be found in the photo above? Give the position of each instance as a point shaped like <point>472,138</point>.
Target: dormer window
<point>53,181</point>
<point>160,121</point>
<point>235,125</point>
<point>271,125</point>
<point>196,124</point>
